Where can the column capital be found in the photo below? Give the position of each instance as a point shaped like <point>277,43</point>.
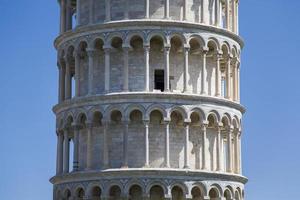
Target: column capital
<point>126,47</point>
<point>107,48</point>
<point>147,47</point>
<point>205,50</point>
<point>187,48</point>
<point>166,121</point>
<point>167,48</point>
<point>146,122</point>
<point>76,126</point>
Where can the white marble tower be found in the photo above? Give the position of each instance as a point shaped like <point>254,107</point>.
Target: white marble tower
<point>149,100</point>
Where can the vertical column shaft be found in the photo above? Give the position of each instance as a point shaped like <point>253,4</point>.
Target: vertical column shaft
<point>229,147</point>
<point>186,69</point>
<point>107,11</point>
<point>238,83</point>
<point>218,76</point>
<point>240,153</point>
<point>91,55</point>
<point>69,15</point>
<point>219,149</point>
<point>107,69</point>
<point>60,147</point>
<point>147,164</point>
<point>233,15</point>
<point>217,13</point>
<point>167,144</point>
<point>236,153</point>
<point>125,72</point>
<point>204,148</point>
<point>167,9</point>
<point>68,81</point>
<point>62,74</point>
<point>62,16</point>
<point>125,144</point>
<point>237,18</point>
<point>66,158</point>
<point>77,73</point>
<point>204,73</point>
<point>89,151</point>
<point>228,14</point>
<point>78,12</point>
<point>187,146</point>
<point>167,68</point>
<point>147,68</point>
<point>76,149</point>
<point>185,9</point>
<point>228,78</point>
<point>105,146</point>
<point>147,9</point>
<point>204,11</point>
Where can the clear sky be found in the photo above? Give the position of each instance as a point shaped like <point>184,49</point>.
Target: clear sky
<point>270,91</point>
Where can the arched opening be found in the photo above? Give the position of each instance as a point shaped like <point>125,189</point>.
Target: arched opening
<point>156,139</point>
<point>177,140</point>
<point>97,119</point>
<point>83,70</point>
<point>67,195</point>
<point>115,193</point>
<point>227,195</point>
<point>58,195</point>
<point>213,194</point>
<point>136,68</point>
<point>115,139</point>
<point>157,193</point>
<point>195,65</point>
<point>96,193</point>
<point>237,196</point>
<point>116,65</point>
<point>80,194</point>
<point>136,131</point>
<point>135,193</point>
<point>211,63</point>
<point>176,65</point>
<point>157,64</point>
<point>196,194</point>
<point>177,193</point>
<point>116,117</point>
<point>99,67</point>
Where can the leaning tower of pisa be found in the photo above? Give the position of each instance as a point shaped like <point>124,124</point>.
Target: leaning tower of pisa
<point>149,100</point>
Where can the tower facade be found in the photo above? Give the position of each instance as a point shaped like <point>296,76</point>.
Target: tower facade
<point>149,100</point>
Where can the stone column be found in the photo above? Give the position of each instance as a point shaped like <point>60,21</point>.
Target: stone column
<point>78,12</point>
<point>186,69</point>
<point>125,72</point>
<point>107,11</point>
<point>60,147</point>
<point>147,163</point>
<point>167,68</point>
<point>91,54</point>
<point>77,73</point>
<point>219,149</point>
<point>147,9</point>
<point>105,145</point>
<point>204,148</point>
<point>217,13</point>
<point>185,9</point>
<point>238,83</point>
<point>218,75</point>
<point>228,78</point>
<point>167,144</point>
<point>234,80</point>
<point>62,16</point>
<point>240,170</point>
<point>229,147</point>
<point>69,15</point>
<point>107,69</point>
<point>68,80</point>
<point>236,153</point>
<point>62,74</point>
<point>66,158</point>
<point>125,144</point>
<point>204,72</point>
<point>237,17</point>
<point>228,15</point>
<point>147,68</point>
<point>233,15</point>
<point>89,149</point>
<point>187,146</point>
<point>76,148</point>
<point>167,9</point>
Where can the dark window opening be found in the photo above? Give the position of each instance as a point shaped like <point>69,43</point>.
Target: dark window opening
<point>159,80</point>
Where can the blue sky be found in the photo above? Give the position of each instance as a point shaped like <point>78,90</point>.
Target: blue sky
<point>270,92</point>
